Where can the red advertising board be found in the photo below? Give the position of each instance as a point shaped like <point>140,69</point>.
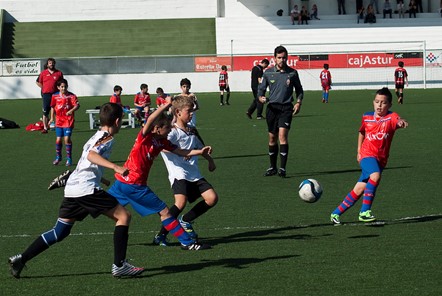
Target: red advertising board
<point>339,60</point>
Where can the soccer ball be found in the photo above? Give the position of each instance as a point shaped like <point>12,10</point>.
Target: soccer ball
<point>310,190</point>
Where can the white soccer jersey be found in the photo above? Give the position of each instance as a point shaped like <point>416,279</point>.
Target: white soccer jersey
<point>178,166</point>
<point>86,177</point>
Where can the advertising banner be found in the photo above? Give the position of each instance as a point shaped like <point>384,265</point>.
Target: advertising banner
<point>20,68</point>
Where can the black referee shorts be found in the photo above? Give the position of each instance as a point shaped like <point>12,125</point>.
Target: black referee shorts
<point>278,116</point>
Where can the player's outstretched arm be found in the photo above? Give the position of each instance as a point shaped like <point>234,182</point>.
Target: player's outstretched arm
<point>402,123</point>
<point>97,159</point>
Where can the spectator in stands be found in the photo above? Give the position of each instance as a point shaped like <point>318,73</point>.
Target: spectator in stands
<point>361,14</point>
<point>304,15</point>
<point>412,8</point>
<point>359,5</point>
<point>341,6</point>
<point>314,13</point>
<point>295,15</point>
<point>440,8</point>
<point>419,6</point>
<point>375,3</point>
<point>400,8</point>
<point>370,17</point>
<point>387,8</point>
<point>47,81</point>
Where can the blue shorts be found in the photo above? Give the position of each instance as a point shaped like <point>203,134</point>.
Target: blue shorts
<point>61,132</point>
<point>143,200</point>
<point>369,165</point>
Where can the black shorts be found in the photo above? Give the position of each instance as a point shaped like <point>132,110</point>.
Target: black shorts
<point>278,116</point>
<point>224,88</point>
<point>79,207</point>
<point>46,103</point>
<point>192,190</point>
<point>399,86</point>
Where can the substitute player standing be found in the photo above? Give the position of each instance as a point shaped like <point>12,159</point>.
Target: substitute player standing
<point>400,78</point>
<point>281,80</point>
<point>224,85</point>
<point>326,82</point>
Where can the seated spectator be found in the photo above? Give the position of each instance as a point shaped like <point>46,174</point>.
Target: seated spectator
<point>400,8</point>
<point>412,8</point>
<point>314,13</point>
<point>387,8</point>
<point>304,15</point>
<point>361,13</point>
<point>370,17</point>
<point>295,15</point>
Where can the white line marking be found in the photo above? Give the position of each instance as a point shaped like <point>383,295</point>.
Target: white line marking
<point>404,219</point>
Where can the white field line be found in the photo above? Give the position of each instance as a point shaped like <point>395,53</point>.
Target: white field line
<point>404,219</point>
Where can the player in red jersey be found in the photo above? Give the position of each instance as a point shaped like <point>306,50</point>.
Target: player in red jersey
<point>116,97</point>
<point>223,83</point>
<point>133,189</point>
<point>374,141</point>
<point>63,106</point>
<point>142,102</point>
<point>326,82</point>
<point>400,79</point>
<point>161,97</point>
<point>47,81</point>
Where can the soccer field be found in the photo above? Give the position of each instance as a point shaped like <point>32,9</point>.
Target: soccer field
<point>266,241</point>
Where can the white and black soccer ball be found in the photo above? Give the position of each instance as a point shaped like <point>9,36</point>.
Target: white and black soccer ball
<point>310,190</point>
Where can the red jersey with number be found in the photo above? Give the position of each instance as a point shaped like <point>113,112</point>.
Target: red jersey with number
<point>399,75</point>
<point>141,157</point>
<point>325,77</point>
<point>115,99</point>
<point>378,133</point>
<point>49,80</point>
<point>223,77</point>
<point>142,99</point>
<point>62,103</point>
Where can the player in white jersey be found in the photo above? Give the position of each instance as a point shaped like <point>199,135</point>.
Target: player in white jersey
<point>84,196</point>
<point>186,180</point>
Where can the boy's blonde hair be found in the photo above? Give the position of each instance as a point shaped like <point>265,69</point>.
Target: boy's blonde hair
<point>180,102</point>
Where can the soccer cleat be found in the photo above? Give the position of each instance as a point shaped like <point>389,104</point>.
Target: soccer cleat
<point>282,173</point>
<point>196,247</point>
<point>221,104</point>
<point>68,161</point>
<point>16,265</point>
<point>188,228</point>
<point>56,161</point>
<point>249,115</point>
<point>160,240</point>
<point>366,216</point>
<point>335,219</point>
<point>60,181</point>
<point>270,172</point>
<point>323,100</point>
<point>126,270</point>
<point>259,118</point>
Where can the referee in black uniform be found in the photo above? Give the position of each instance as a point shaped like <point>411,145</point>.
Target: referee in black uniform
<point>257,72</point>
<point>281,80</point>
